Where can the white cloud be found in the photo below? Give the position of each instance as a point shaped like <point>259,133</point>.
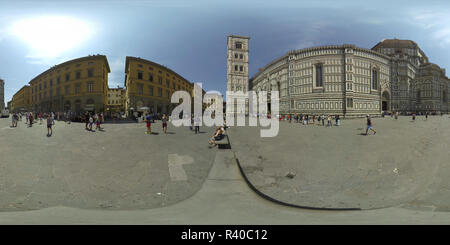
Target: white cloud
<point>117,75</point>
<point>437,22</point>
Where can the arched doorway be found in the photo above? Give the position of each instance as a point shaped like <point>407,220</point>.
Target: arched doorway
<point>385,101</point>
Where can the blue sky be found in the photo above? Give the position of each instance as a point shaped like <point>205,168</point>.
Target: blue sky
<point>190,36</point>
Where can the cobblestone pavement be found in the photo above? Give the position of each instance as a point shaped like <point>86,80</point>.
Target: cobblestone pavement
<point>406,163</point>
<point>120,168</point>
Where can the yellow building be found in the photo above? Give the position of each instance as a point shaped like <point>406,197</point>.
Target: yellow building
<point>21,100</point>
<point>77,85</point>
<point>151,85</point>
<point>116,100</point>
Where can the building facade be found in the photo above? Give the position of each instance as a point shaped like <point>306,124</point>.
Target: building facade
<point>237,69</point>
<point>352,81</point>
<point>77,86</point>
<point>2,94</point>
<point>149,86</point>
<point>116,100</point>
<point>21,101</point>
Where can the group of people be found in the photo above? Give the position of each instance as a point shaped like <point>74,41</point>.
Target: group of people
<point>91,118</point>
<point>308,119</point>
<point>31,117</point>
<point>149,120</point>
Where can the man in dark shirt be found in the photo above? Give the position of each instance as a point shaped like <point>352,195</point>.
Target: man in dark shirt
<point>369,125</point>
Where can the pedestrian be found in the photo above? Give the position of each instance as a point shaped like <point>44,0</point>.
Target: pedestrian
<point>91,121</point>
<point>97,122</point>
<point>323,120</point>
<point>148,120</point>
<point>396,115</point>
<point>40,118</point>
<point>414,116</point>
<point>26,118</point>
<point>369,125</point>
<point>426,115</point>
<point>197,124</point>
<point>329,124</point>
<point>86,119</point>
<point>49,125</point>
<point>164,123</point>
<point>31,119</point>
<point>338,121</point>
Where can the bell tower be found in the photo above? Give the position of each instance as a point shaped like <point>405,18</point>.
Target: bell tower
<point>237,65</point>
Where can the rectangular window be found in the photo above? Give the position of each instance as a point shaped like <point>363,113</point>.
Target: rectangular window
<point>235,67</point>
<point>51,93</point>
<point>160,80</point>
<point>90,72</point>
<point>241,68</point>
<point>160,92</point>
<point>58,80</point>
<point>168,83</point>
<point>238,45</point>
<point>45,85</point>
<point>167,93</point>
<point>51,83</point>
<point>319,76</point>
<point>140,88</point>
<point>77,88</point>
<point>140,75</point>
<point>150,77</point>
<point>78,75</point>
<point>90,87</point>
<point>150,89</point>
<point>66,89</point>
<point>241,56</point>
<point>67,77</point>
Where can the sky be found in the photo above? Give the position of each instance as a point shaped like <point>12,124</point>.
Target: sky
<point>190,37</point>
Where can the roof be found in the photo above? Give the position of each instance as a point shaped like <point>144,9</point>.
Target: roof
<point>89,57</point>
<point>396,43</point>
<point>237,36</point>
<point>128,58</point>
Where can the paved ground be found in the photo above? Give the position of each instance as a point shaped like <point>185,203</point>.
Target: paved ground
<point>120,168</point>
<point>405,163</point>
<point>223,199</point>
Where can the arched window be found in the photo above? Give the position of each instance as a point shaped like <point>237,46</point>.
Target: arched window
<point>374,79</point>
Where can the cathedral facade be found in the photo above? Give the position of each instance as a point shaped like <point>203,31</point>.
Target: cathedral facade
<point>394,76</point>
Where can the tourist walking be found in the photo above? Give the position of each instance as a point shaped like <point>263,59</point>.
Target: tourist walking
<point>148,120</point>
<point>164,123</point>
<point>426,115</point>
<point>40,118</point>
<point>197,124</point>
<point>86,119</point>
<point>396,115</point>
<point>329,124</point>
<point>414,116</point>
<point>49,125</point>
<point>91,121</point>
<point>323,119</point>
<point>369,125</point>
<point>31,119</point>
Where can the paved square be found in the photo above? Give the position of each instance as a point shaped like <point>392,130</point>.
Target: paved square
<point>118,168</point>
